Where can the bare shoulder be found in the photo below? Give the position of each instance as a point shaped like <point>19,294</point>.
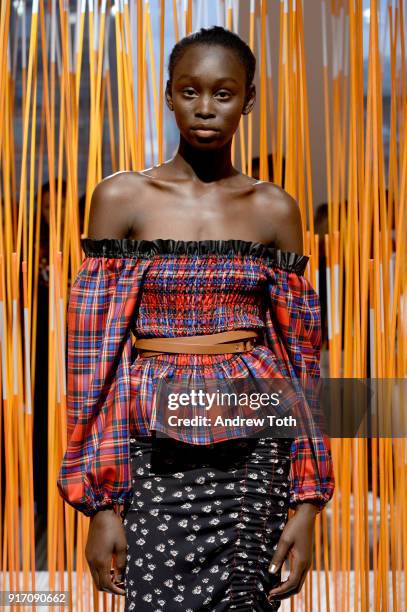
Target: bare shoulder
<point>278,209</point>
<point>112,203</point>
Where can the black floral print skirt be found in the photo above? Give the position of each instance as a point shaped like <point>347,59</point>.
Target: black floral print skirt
<point>203,524</point>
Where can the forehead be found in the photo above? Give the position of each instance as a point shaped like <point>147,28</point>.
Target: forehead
<point>202,61</point>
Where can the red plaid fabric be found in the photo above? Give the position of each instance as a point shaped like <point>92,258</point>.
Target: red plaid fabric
<point>174,288</point>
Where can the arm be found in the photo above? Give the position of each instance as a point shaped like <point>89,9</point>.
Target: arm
<point>294,334</point>
<point>95,473</point>
<point>288,237</point>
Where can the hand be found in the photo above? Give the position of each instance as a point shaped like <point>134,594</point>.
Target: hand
<point>296,538</point>
<point>106,538</point>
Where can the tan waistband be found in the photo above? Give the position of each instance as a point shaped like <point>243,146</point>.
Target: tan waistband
<point>234,341</point>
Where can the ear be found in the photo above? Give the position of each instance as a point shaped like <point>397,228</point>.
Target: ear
<point>250,100</point>
<point>168,96</point>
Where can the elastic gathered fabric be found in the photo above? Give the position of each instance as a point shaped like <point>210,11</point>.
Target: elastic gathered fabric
<point>204,523</point>
<point>168,288</point>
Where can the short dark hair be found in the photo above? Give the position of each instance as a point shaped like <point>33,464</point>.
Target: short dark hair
<point>215,35</point>
<point>46,187</point>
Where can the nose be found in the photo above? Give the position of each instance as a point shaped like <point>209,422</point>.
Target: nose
<point>204,107</point>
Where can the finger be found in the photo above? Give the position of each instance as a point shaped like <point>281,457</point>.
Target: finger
<point>289,587</point>
<point>117,577</point>
<point>279,556</point>
<point>95,575</point>
<point>120,563</point>
<point>106,583</point>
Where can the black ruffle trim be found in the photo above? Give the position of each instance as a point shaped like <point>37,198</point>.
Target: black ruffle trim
<point>127,247</point>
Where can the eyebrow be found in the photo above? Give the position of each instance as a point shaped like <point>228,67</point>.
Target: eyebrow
<point>191,76</point>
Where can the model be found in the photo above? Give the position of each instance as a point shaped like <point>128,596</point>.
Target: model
<point>203,265</point>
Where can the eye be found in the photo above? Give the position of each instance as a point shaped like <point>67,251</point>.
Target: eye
<point>223,94</point>
<point>188,91</point>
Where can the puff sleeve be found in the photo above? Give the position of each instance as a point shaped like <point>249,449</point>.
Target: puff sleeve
<point>95,472</point>
<point>293,332</point>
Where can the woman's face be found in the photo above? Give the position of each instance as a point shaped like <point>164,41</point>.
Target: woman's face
<point>208,95</point>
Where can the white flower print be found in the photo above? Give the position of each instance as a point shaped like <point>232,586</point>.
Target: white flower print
<point>210,521</point>
<point>162,527</point>
<point>178,598</point>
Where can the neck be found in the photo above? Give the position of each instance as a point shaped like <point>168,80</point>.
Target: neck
<point>206,166</point>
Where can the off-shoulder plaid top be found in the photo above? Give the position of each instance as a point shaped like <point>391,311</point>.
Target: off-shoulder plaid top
<point>166,288</point>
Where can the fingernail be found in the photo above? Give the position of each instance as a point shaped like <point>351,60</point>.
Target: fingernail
<point>272,568</point>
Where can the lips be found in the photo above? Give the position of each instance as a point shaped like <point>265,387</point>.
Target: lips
<point>204,131</point>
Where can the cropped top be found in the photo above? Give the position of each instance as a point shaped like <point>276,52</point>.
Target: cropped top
<point>168,288</point>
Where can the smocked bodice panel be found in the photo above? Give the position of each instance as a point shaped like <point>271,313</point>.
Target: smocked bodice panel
<point>196,295</point>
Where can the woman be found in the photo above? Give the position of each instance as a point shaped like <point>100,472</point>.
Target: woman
<point>205,520</point>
